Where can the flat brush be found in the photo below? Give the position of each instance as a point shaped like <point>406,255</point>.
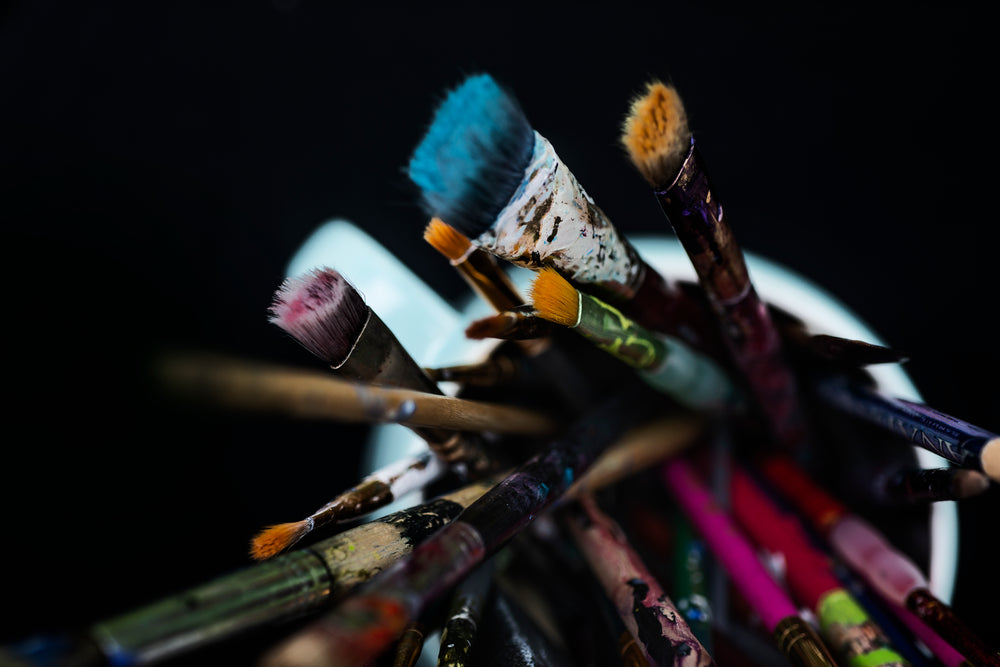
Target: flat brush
<point>483,168</point>
<point>329,317</point>
<point>963,444</point>
<point>376,490</point>
<point>261,386</point>
<point>665,362</point>
<point>889,572</point>
<point>360,628</point>
<point>286,587</point>
<point>660,145</point>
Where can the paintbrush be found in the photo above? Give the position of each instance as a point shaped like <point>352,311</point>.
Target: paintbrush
<point>289,586</point>
<point>899,636</point>
<point>826,352</point>
<point>890,572</point>
<point>640,449</point>
<point>540,343</point>
<point>378,489</point>
<point>732,549</point>
<point>522,323</point>
<point>306,393</point>
<point>360,628</point>
<point>944,652</point>
<point>483,168</point>
<point>661,147</point>
<point>641,602</point>
<point>851,633</point>
<point>510,637</point>
<point>410,645</point>
<point>458,636</point>
<point>690,580</point>
<point>910,486</point>
<point>556,586</point>
<point>479,268</point>
<point>325,314</point>
<point>962,444</point>
<point>665,362</point>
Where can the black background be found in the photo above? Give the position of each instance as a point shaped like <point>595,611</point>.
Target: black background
<point>161,162</point>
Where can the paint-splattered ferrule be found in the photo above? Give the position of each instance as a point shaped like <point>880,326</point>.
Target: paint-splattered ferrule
<point>551,221</point>
<point>610,330</point>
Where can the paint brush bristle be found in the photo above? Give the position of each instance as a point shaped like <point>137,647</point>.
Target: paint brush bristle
<point>322,311</point>
<point>446,239</point>
<point>274,539</point>
<point>555,298</point>
<point>655,134</point>
<point>472,157</point>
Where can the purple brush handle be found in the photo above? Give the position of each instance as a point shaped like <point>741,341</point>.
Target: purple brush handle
<point>728,544</point>
<point>953,439</point>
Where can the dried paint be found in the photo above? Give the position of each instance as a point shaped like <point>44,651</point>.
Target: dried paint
<point>552,221</point>
<point>643,606</point>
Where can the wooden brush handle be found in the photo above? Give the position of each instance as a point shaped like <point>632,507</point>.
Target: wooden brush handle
<point>259,386</point>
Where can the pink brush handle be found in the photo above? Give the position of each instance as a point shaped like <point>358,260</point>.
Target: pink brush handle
<point>868,552</point>
<point>729,546</point>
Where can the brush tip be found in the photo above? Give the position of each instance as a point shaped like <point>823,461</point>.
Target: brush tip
<point>490,326</point>
<point>655,133</point>
<point>472,157</point>
<point>447,240</point>
<point>322,311</point>
<point>969,483</point>
<point>555,298</point>
<point>522,323</point>
<point>274,539</point>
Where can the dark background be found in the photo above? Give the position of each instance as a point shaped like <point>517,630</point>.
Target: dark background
<point>161,162</point>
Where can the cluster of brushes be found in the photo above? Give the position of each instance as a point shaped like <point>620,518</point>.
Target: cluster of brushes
<point>701,488</point>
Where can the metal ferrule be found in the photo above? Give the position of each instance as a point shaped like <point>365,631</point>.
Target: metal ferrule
<point>379,357</point>
<point>800,643</point>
